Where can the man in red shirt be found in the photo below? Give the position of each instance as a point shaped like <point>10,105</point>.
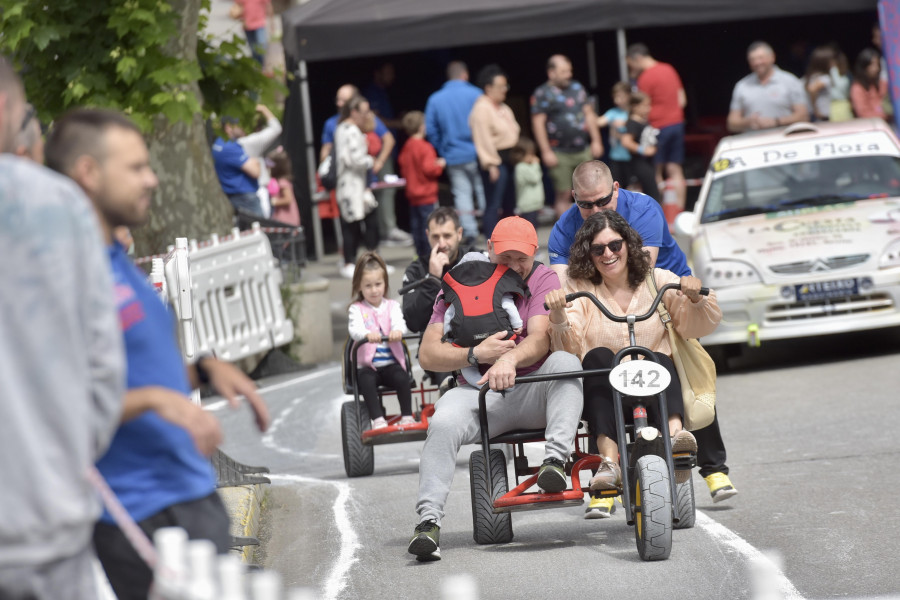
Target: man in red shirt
<point>420,165</point>
<point>661,82</point>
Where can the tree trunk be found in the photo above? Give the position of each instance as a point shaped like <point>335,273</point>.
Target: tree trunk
<point>189,201</point>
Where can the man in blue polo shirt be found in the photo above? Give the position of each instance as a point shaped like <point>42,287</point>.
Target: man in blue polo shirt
<point>447,127</point>
<point>594,189</point>
<point>238,172</point>
<point>156,463</point>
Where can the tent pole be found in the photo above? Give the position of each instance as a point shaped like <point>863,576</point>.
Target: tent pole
<point>311,161</point>
<point>592,63</point>
<point>620,42</point>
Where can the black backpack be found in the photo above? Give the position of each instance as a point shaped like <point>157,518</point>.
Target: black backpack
<point>328,170</point>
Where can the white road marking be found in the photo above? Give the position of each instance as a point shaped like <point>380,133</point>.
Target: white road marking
<point>268,439</point>
<point>729,538</point>
<point>220,404</point>
<point>337,578</point>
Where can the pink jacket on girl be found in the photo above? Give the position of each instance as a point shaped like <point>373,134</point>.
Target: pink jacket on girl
<point>375,322</point>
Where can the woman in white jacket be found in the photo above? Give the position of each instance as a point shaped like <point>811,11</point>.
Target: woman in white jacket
<point>354,198</point>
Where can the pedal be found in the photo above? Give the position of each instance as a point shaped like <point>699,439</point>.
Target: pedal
<point>683,462</point>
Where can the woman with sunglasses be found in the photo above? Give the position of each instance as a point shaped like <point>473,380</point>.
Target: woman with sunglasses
<point>607,260</point>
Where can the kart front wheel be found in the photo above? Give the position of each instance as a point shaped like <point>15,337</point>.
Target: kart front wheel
<point>652,508</point>
<point>359,459</point>
<point>489,527</point>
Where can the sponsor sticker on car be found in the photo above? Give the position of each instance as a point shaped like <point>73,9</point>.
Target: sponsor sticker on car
<point>825,290</point>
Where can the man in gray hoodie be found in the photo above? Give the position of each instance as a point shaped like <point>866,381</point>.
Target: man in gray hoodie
<point>62,369</point>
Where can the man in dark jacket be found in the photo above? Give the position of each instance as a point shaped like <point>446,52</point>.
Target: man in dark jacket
<point>445,236</point>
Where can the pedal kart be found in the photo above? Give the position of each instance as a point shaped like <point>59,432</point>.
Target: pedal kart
<point>654,504</point>
<point>357,436</point>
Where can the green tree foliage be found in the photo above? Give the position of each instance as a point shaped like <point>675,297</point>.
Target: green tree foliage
<point>120,54</point>
<point>151,60</point>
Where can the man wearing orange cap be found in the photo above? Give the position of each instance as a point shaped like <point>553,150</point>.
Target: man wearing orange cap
<point>553,405</point>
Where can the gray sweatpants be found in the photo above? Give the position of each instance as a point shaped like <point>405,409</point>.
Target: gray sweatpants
<point>554,405</point>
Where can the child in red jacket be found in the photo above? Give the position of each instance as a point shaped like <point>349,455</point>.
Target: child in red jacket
<point>421,167</point>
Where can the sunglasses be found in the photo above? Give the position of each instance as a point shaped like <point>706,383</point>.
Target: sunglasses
<point>614,246</point>
<point>599,203</point>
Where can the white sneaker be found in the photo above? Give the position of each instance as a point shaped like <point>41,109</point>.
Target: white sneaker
<point>347,271</point>
<point>407,420</point>
<point>390,269</point>
<point>379,423</point>
<point>398,235</point>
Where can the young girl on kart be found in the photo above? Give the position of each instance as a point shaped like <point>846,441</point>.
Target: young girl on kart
<point>373,315</point>
<point>607,259</point>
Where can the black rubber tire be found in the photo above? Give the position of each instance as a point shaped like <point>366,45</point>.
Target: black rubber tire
<point>487,526</point>
<point>653,508</point>
<point>359,459</point>
<point>685,508</point>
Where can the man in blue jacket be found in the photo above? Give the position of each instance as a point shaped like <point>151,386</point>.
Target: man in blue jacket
<point>447,127</point>
<point>157,462</point>
<point>594,189</point>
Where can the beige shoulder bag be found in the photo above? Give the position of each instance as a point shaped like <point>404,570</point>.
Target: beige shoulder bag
<point>696,371</point>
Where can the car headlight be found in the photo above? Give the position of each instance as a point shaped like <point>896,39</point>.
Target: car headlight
<point>725,273</point>
<point>891,256</point>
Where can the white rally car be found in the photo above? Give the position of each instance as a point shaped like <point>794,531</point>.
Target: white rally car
<point>798,231</point>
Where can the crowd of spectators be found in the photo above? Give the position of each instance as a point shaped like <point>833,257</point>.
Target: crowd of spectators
<point>476,132</point>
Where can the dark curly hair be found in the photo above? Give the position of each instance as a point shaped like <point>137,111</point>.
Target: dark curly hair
<point>582,267</point>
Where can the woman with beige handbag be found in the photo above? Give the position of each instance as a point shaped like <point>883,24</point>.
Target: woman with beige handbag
<point>607,260</point>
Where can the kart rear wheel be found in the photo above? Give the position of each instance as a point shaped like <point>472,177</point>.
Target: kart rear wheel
<point>487,526</point>
<point>359,459</point>
<point>653,508</point>
<point>685,509</point>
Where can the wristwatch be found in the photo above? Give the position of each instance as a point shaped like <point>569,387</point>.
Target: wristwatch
<point>471,357</point>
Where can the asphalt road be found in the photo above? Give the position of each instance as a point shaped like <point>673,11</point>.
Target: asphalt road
<point>811,431</point>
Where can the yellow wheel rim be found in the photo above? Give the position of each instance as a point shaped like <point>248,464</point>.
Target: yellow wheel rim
<point>639,517</point>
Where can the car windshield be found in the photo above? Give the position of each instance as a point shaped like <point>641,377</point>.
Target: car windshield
<point>801,184</point>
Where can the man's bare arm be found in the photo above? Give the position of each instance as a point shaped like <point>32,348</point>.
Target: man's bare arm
<point>251,167</point>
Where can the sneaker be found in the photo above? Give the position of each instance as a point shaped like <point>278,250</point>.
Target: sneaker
<point>720,487</point>
<point>552,476</point>
<point>608,477</point>
<point>390,269</point>
<point>425,541</point>
<point>379,423</point>
<point>407,420</point>
<point>398,235</point>
<point>683,441</point>
<point>601,508</point>
<point>347,271</point>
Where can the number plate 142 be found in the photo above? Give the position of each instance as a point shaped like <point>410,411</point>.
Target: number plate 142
<point>640,378</point>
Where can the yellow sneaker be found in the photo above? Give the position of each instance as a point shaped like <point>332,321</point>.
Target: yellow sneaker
<point>720,487</point>
<point>601,508</point>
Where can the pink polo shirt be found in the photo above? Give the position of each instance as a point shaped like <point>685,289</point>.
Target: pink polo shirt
<point>254,13</point>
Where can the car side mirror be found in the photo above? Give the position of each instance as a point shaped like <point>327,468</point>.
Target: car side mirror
<point>684,224</point>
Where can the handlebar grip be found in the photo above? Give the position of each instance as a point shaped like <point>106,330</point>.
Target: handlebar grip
<point>570,297</point>
<point>704,291</point>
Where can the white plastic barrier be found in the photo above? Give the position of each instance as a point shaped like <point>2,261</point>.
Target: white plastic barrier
<point>237,305</point>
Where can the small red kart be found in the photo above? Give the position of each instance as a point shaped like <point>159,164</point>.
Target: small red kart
<point>357,434</point>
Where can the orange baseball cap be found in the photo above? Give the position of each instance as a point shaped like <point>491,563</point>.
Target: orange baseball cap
<point>514,233</point>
